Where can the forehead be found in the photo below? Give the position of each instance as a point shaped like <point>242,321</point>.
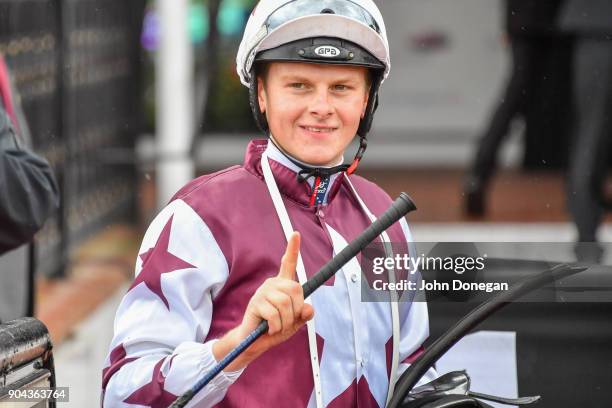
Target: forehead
<point>314,72</point>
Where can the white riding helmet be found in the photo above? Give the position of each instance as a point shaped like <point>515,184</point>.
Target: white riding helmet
<point>277,22</point>
<point>345,32</point>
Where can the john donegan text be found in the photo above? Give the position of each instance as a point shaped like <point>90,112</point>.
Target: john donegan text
<point>435,285</point>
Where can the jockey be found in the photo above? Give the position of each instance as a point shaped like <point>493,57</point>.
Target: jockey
<point>233,247</point>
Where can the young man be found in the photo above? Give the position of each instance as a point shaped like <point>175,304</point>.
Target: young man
<point>222,255</point>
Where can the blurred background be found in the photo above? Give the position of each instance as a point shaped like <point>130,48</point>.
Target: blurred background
<point>129,100</point>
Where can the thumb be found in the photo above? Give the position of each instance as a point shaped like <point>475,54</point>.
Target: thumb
<point>289,259</point>
<point>307,312</point>
<point>306,315</point>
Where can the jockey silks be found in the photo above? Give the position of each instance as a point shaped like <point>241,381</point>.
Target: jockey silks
<point>202,259</point>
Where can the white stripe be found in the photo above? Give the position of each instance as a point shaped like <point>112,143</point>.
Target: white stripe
<point>394,300</point>
<point>283,216</point>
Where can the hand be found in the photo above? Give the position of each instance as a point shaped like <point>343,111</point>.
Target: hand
<point>280,301</point>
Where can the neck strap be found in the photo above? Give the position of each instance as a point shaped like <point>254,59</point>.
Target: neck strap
<point>308,171</point>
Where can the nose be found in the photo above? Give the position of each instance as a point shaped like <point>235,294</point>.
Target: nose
<point>321,105</point>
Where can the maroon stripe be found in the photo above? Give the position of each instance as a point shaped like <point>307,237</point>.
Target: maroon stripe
<point>153,394</point>
<point>117,359</point>
<point>414,356</point>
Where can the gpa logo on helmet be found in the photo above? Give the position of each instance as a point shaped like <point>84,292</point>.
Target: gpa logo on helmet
<point>327,51</point>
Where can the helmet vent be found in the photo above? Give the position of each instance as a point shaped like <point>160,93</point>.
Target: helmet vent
<point>327,11</point>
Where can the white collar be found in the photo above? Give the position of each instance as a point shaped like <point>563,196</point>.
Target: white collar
<point>275,154</point>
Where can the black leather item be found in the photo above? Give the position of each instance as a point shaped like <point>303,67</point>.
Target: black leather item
<point>28,191</point>
<point>453,390</point>
<point>453,383</point>
<point>507,401</point>
<point>450,401</point>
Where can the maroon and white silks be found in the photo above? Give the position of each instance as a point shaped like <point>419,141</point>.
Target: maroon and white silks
<point>204,256</point>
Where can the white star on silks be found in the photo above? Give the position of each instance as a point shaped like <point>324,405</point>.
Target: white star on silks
<point>157,261</point>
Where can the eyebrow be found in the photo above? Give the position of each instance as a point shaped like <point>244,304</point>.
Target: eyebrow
<point>293,77</point>
<point>299,78</point>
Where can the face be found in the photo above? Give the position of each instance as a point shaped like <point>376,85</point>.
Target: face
<point>313,110</point>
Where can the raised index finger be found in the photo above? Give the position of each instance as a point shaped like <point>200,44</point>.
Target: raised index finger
<point>289,260</point>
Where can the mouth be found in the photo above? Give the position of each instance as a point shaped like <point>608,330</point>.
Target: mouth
<point>319,129</point>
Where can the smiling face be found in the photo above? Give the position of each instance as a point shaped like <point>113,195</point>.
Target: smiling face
<point>313,110</point>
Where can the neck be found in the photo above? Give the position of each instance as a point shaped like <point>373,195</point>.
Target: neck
<point>301,164</point>
<point>304,186</point>
<point>280,156</point>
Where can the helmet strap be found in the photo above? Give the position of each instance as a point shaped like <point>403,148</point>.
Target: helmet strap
<point>366,123</point>
<point>260,117</point>
<point>363,145</point>
<point>307,171</point>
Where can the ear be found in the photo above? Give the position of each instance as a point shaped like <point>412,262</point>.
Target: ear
<point>262,97</point>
